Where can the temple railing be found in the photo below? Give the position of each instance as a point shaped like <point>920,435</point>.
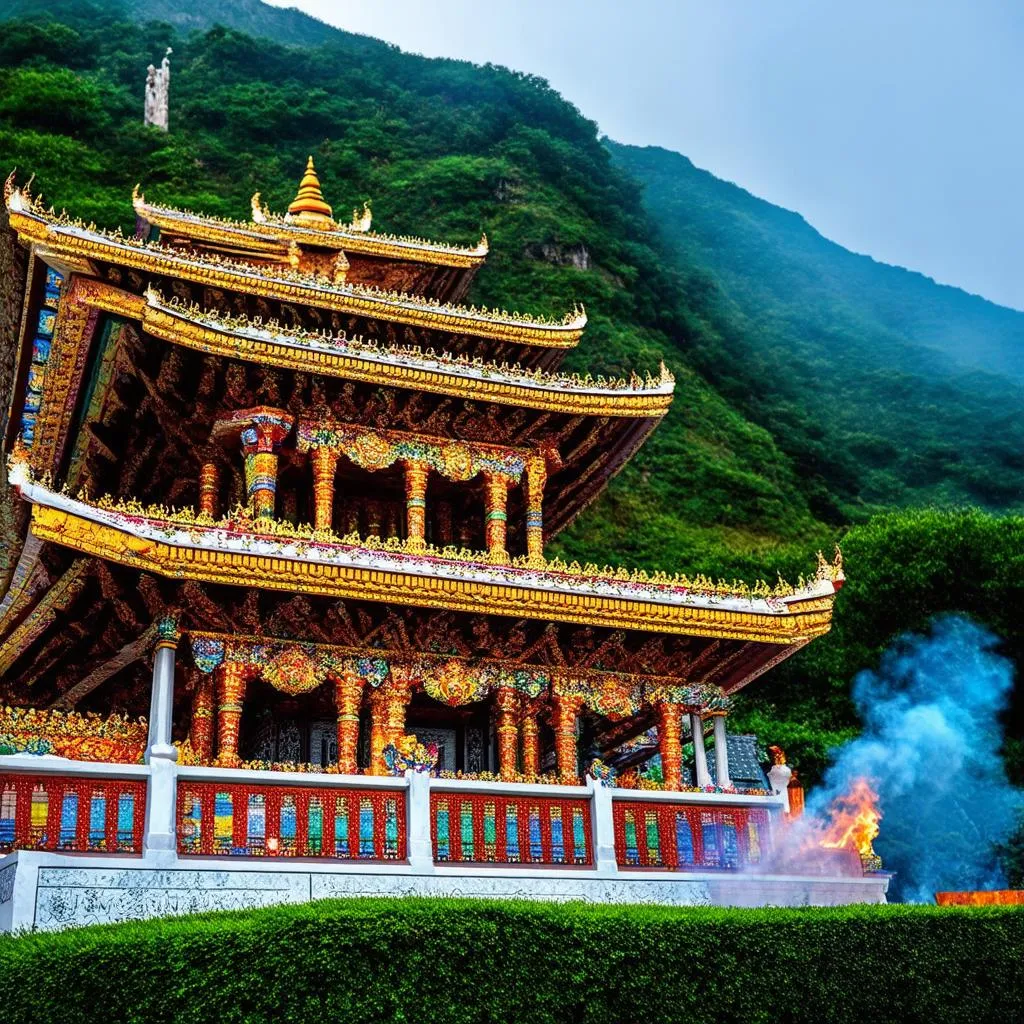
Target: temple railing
<point>689,837</point>
<point>414,824</point>
<point>510,824</point>
<point>235,814</point>
<point>72,806</point>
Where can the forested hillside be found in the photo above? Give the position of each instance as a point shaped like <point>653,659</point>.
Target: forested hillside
<point>914,391</point>
<point>809,394</point>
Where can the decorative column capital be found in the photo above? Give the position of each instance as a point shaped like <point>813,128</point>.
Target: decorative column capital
<point>167,633</point>
<point>507,700</point>
<point>259,429</point>
<point>259,432</point>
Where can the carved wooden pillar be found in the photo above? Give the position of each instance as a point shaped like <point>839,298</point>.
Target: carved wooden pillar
<point>378,713</point>
<point>325,462</point>
<point>536,477</point>
<point>496,515</point>
<point>209,488</point>
<point>670,745</point>
<point>387,725</point>
<point>200,731</point>
<point>566,710</point>
<point>507,703</point>
<point>231,679</point>
<point>416,474</point>
<point>261,438</point>
<point>531,739</point>
<point>348,695</point>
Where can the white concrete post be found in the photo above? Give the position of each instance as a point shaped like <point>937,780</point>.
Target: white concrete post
<point>700,755</point>
<point>161,754</point>
<point>602,827</point>
<point>779,777</point>
<point>721,754</point>
<point>421,845</point>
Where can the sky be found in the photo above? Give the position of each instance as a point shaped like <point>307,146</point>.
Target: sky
<point>893,126</point>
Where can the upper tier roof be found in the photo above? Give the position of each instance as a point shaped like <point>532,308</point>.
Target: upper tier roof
<point>310,222</point>
<point>272,236</point>
<point>73,244</point>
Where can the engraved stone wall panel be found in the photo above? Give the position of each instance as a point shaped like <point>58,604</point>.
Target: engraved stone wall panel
<point>78,896</point>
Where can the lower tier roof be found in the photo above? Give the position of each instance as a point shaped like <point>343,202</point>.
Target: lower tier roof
<point>181,547</point>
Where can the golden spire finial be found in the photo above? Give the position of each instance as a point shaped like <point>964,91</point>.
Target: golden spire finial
<point>309,208</point>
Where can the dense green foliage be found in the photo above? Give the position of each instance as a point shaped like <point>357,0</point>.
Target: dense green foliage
<point>474,961</point>
<point>813,385</point>
<point>903,568</point>
<point>892,388</point>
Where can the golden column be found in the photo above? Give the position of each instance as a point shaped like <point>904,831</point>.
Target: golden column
<point>536,478</point>
<point>496,515</point>
<point>507,702</point>
<point>209,488</point>
<point>531,738</point>
<point>325,462</point>
<point>670,744</point>
<point>348,695</point>
<point>200,732</point>
<point>566,709</point>
<point>416,474</point>
<point>387,724</point>
<point>231,678</point>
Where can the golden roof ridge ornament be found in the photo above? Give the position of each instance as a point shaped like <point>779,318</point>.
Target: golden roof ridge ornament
<point>309,208</point>
<point>362,220</point>
<point>259,213</point>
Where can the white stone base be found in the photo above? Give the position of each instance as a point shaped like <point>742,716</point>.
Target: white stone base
<point>51,891</point>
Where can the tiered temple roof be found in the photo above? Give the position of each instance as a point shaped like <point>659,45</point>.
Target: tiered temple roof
<point>290,429</point>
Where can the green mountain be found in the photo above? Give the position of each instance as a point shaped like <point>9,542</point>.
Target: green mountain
<point>287,25</point>
<point>912,390</point>
<point>814,386</point>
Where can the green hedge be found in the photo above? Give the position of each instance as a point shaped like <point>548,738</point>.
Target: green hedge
<point>439,961</point>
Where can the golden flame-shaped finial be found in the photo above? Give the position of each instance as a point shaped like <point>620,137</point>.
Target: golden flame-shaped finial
<point>309,208</point>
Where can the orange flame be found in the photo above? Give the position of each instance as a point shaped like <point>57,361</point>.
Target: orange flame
<point>853,824</point>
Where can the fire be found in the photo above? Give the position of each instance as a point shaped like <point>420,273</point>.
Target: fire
<point>853,824</point>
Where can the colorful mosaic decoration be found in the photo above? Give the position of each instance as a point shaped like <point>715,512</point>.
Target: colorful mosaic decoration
<point>689,837</point>
<point>291,821</point>
<point>45,324</point>
<point>455,683</point>
<point>475,828</point>
<point>88,737</point>
<point>47,812</point>
<point>290,667</point>
<point>378,449</point>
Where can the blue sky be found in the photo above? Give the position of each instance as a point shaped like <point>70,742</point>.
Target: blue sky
<point>893,126</point>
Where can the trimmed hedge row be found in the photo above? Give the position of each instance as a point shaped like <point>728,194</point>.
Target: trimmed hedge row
<point>441,961</point>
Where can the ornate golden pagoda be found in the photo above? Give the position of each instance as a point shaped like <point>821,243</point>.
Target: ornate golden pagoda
<point>281,462</point>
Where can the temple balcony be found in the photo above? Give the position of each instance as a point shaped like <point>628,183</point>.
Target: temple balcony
<point>92,842</point>
<point>190,546</point>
